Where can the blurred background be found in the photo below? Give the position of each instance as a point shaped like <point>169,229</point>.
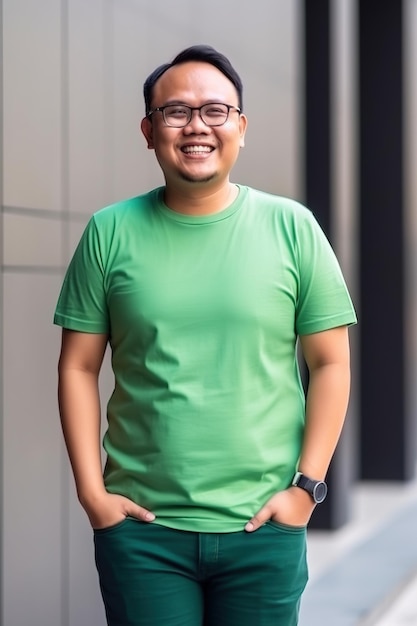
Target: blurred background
<point>330,90</point>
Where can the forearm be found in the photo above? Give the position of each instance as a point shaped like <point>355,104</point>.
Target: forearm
<point>79,405</point>
<point>327,400</point>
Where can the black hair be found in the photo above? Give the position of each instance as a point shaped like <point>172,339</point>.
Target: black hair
<point>203,53</point>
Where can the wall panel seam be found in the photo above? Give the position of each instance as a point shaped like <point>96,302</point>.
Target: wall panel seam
<point>72,216</point>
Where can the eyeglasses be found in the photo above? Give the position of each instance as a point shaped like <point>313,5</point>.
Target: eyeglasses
<point>179,115</point>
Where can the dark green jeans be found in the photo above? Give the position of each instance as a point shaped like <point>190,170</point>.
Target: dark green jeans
<point>155,576</point>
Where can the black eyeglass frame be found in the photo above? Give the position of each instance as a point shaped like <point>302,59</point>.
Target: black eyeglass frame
<point>230,107</point>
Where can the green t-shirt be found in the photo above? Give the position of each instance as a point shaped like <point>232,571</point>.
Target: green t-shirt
<point>206,418</point>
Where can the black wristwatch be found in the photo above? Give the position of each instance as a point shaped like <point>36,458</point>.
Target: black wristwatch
<point>316,488</point>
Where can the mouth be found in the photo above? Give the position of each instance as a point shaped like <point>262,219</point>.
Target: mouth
<point>197,149</point>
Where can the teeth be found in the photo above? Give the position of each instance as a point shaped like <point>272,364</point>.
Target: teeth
<point>196,149</point>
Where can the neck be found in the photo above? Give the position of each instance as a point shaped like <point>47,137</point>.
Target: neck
<point>200,201</point>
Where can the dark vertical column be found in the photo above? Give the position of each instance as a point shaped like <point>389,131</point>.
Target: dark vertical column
<point>317,110</point>
<point>386,441</point>
<point>318,193</point>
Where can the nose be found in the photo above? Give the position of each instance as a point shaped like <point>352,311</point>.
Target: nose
<point>196,124</point>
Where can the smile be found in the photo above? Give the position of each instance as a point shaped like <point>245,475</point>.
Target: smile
<point>197,149</point>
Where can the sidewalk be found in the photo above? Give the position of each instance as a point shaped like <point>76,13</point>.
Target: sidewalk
<point>399,610</point>
<point>365,574</point>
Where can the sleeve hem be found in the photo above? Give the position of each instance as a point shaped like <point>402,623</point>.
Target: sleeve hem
<point>79,325</point>
<point>327,324</point>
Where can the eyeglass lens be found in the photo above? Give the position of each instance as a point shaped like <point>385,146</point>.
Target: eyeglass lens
<point>211,114</point>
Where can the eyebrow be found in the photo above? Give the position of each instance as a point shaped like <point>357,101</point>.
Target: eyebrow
<point>170,102</point>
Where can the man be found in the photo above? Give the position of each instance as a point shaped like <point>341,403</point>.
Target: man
<point>203,289</point>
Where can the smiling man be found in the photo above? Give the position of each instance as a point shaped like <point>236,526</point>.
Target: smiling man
<point>203,288</point>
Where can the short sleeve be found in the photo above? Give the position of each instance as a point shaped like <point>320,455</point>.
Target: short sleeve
<point>323,300</point>
<point>82,303</point>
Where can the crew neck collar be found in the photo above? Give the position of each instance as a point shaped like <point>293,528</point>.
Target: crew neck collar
<point>198,219</point>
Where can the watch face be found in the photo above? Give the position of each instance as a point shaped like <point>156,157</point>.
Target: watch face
<point>320,492</point>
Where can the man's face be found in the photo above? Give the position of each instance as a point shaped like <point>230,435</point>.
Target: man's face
<point>196,154</point>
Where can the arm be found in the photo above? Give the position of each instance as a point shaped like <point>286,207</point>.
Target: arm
<point>328,360</point>
<point>79,404</point>
<point>327,356</point>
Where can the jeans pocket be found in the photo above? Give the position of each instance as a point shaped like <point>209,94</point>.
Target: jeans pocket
<point>112,528</point>
<point>286,528</point>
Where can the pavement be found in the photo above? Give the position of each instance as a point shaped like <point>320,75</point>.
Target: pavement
<point>365,574</point>
<point>399,610</point>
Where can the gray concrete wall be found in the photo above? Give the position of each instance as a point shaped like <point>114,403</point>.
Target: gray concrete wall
<point>71,98</point>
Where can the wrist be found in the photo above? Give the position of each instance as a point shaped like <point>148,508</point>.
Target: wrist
<point>90,498</point>
<point>302,496</point>
<point>315,489</point>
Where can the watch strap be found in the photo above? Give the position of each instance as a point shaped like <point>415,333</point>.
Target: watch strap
<point>316,488</point>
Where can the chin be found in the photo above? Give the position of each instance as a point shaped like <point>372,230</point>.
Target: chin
<point>207,178</point>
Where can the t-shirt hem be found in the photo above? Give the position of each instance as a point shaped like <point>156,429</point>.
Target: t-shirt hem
<point>202,526</point>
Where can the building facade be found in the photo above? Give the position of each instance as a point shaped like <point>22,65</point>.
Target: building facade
<point>71,98</point>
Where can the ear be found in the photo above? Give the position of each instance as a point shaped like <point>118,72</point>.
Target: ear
<point>147,130</point>
<point>243,123</point>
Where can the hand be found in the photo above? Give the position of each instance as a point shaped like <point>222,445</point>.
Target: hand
<point>109,509</point>
<point>292,507</point>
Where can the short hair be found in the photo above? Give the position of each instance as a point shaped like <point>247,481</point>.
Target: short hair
<point>203,53</point>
